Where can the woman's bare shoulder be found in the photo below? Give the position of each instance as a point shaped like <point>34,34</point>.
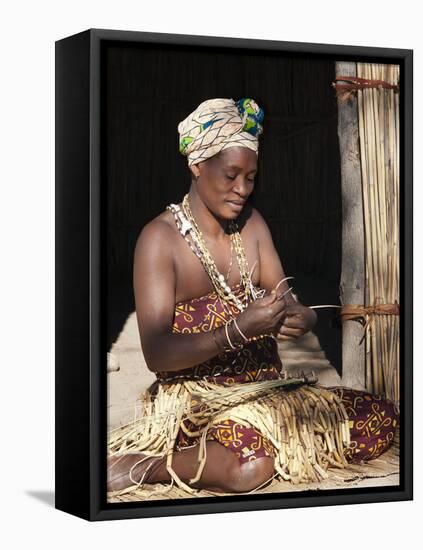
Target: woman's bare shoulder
<point>160,231</point>
<point>256,217</point>
<point>251,221</point>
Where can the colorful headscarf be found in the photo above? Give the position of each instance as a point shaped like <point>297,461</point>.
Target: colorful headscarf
<point>217,124</point>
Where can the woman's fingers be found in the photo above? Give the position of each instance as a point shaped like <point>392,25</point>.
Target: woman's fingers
<point>293,321</point>
<point>279,309</point>
<point>271,301</point>
<point>285,337</point>
<point>288,331</point>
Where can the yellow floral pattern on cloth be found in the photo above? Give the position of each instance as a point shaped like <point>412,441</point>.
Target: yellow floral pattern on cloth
<point>202,314</point>
<point>246,442</point>
<point>258,359</point>
<point>373,423</point>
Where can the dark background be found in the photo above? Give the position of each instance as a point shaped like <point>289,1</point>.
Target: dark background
<point>148,89</point>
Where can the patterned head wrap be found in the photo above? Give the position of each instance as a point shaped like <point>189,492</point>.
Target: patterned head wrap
<point>217,124</point>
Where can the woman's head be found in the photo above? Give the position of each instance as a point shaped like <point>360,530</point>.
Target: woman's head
<point>225,181</point>
<point>220,140</point>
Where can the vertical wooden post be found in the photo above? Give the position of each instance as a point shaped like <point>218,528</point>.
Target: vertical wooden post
<point>352,285</point>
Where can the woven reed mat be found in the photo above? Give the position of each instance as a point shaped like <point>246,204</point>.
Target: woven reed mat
<point>379,472</point>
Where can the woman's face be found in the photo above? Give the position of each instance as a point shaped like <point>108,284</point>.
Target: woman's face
<point>226,180</point>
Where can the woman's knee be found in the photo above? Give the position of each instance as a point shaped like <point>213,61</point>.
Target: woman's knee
<point>249,475</point>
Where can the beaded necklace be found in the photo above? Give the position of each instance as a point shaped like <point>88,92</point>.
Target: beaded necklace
<point>223,289</point>
<point>187,224</point>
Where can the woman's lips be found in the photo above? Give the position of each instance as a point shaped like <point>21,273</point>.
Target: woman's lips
<point>235,205</point>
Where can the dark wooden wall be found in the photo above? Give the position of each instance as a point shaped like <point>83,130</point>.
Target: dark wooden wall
<point>149,89</point>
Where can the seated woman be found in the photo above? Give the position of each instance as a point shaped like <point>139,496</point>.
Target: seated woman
<point>207,321</point>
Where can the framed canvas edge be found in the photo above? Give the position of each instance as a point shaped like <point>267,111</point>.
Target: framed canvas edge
<point>99,509</point>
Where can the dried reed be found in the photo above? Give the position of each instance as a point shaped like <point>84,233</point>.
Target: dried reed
<point>307,424</point>
<point>378,111</point>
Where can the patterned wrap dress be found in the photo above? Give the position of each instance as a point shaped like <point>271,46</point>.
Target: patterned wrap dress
<point>373,419</point>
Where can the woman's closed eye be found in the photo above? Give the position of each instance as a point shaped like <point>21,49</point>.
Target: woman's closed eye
<point>251,180</point>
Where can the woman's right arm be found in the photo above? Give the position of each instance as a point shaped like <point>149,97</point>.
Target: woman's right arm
<point>154,281</point>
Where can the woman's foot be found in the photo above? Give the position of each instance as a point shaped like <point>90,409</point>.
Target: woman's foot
<point>119,466</point>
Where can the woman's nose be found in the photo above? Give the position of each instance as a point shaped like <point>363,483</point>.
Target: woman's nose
<point>243,187</point>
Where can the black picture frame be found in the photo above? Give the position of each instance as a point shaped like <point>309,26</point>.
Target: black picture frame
<point>80,382</point>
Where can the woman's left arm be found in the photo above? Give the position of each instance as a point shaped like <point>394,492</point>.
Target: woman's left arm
<point>299,318</point>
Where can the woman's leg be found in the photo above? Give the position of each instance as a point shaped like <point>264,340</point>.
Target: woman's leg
<point>222,472</point>
<point>373,422</point>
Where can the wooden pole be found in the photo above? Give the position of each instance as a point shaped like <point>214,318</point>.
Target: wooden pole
<point>352,285</point>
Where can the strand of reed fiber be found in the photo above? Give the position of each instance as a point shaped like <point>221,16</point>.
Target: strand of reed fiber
<point>384,247</point>
<point>369,227</point>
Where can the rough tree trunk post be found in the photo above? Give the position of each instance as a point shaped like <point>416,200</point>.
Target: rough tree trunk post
<point>352,286</point>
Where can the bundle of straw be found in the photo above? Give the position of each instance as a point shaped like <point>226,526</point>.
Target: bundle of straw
<point>379,149</point>
<point>307,424</point>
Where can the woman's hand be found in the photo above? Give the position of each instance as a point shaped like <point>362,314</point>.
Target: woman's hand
<point>298,320</point>
<point>262,316</point>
